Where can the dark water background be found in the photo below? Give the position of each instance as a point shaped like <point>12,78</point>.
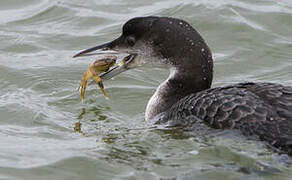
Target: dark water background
<point>251,40</point>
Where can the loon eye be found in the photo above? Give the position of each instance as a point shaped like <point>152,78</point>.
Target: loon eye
<point>131,41</point>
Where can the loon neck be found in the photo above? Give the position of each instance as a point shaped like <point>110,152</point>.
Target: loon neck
<point>180,83</point>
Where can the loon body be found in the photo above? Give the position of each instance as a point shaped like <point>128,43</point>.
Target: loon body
<point>262,109</point>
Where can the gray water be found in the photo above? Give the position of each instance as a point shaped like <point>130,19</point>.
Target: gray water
<point>251,40</point>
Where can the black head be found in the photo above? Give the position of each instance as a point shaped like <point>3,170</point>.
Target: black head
<point>162,41</point>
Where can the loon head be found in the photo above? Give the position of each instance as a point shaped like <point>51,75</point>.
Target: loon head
<point>163,42</point>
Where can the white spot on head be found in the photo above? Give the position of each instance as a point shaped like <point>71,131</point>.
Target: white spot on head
<point>202,49</point>
<point>170,22</point>
<point>180,23</point>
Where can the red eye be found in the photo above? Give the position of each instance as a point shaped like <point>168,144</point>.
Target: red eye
<point>131,41</point>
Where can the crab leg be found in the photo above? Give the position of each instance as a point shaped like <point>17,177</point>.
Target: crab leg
<point>98,80</point>
<point>86,76</point>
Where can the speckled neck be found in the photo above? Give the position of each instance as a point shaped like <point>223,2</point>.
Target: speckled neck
<point>190,59</point>
<point>180,83</point>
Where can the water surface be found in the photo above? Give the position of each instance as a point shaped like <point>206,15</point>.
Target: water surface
<point>251,40</point>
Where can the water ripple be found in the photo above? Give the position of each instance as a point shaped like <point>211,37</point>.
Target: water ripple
<point>30,10</point>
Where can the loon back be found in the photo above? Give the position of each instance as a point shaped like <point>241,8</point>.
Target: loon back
<point>262,109</point>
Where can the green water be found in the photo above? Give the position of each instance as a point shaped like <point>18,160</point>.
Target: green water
<point>251,40</point>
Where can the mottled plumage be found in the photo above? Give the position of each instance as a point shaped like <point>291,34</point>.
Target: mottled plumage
<point>262,109</point>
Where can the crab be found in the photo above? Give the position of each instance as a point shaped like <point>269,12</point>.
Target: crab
<point>98,66</point>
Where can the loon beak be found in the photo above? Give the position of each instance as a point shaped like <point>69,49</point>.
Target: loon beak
<point>112,47</point>
<point>97,50</point>
<point>124,65</point>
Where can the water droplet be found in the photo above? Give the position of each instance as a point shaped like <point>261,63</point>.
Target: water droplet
<point>194,152</point>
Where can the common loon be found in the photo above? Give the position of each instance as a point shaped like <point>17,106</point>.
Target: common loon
<point>186,96</point>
